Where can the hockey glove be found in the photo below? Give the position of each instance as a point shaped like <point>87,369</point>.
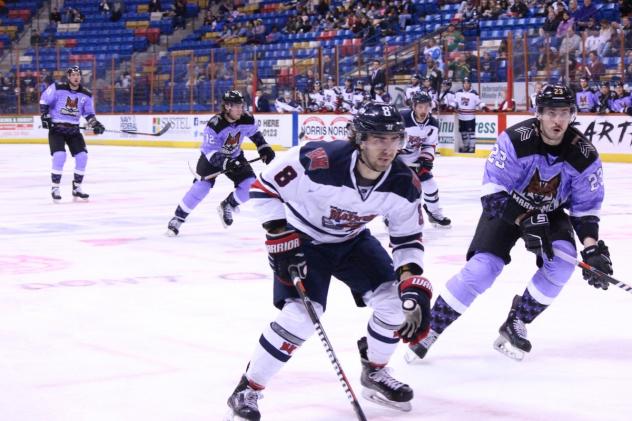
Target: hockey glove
<point>231,165</point>
<point>536,235</point>
<point>598,257</point>
<point>285,253</point>
<point>96,125</point>
<point>415,293</point>
<point>266,153</point>
<point>47,121</point>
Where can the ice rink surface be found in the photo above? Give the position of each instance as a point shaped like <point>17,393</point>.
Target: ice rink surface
<point>103,317</point>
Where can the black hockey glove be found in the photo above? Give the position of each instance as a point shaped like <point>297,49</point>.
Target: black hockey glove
<point>415,293</point>
<point>266,153</point>
<point>96,125</point>
<point>47,121</point>
<point>598,257</point>
<point>285,253</point>
<point>536,235</point>
<point>232,164</point>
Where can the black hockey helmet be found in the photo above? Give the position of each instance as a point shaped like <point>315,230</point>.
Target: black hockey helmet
<point>233,97</point>
<point>379,87</point>
<point>420,97</point>
<point>447,82</point>
<point>376,117</point>
<point>73,69</point>
<point>555,96</point>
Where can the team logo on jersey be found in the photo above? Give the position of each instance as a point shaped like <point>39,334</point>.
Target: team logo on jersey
<point>318,159</point>
<point>540,194</point>
<point>524,132</point>
<point>341,219</point>
<point>465,101</point>
<point>231,143</point>
<point>288,347</point>
<point>415,142</point>
<point>71,107</point>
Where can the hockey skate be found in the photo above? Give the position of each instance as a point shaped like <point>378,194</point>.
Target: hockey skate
<point>77,193</point>
<point>513,341</point>
<point>415,353</point>
<point>437,219</point>
<point>225,211</point>
<point>173,228</point>
<point>55,193</point>
<point>243,403</point>
<point>380,387</point>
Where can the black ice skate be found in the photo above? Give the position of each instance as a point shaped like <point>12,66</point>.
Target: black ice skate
<point>226,209</point>
<point>243,402</point>
<point>513,341</point>
<point>173,228</point>
<point>437,219</point>
<point>55,193</point>
<point>380,387</point>
<point>77,193</point>
<point>417,352</point>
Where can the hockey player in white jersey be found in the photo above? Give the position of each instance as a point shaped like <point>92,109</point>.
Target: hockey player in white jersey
<point>415,86</point>
<point>332,96</point>
<point>426,86</point>
<point>467,103</point>
<point>446,98</point>
<point>315,98</point>
<point>314,203</point>
<point>347,95</point>
<point>419,154</point>
<point>380,94</point>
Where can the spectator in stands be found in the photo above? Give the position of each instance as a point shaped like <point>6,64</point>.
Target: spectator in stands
<point>36,38</point>
<point>584,13</point>
<point>549,27</point>
<point>519,10</point>
<point>606,96</point>
<point>262,103</point>
<point>287,104</point>
<point>104,7</point>
<point>626,27</point>
<point>628,74</point>
<point>488,66</point>
<point>274,35</point>
<point>180,14</point>
<point>487,9</point>
<point>74,15</point>
<point>594,68</point>
<point>605,35</point>
<point>573,9</point>
<point>570,43</point>
<point>117,11</point>
<point>154,6</point>
<point>376,75</point>
<point>459,70</point>
<point>506,104</point>
<point>559,6</point>
<point>537,90</point>
<point>453,39</point>
<point>55,16</point>
<point>405,11</point>
<point>433,74</point>
<point>590,41</point>
<point>546,56</point>
<point>626,7</point>
<point>565,24</point>
<point>433,51</point>
<point>259,32</point>
<point>502,50</point>
<point>3,8</point>
<point>304,24</point>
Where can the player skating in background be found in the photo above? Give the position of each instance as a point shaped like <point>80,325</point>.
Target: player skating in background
<point>419,154</point>
<point>467,103</point>
<point>536,169</point>
<point>314,203</point>
<point>221,151</point>
<point>62,105</point>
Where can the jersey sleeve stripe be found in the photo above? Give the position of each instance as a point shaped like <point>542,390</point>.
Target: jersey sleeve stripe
<point>257,185</point>
<point>407,239</point>
<point>418,246</point>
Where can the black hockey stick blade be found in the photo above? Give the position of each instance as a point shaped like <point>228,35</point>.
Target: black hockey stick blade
<point>570,259</point>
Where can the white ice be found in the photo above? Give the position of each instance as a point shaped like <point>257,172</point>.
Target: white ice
<point>103,317</point>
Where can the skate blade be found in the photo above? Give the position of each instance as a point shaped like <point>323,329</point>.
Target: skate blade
<point>411,358</point>
<point>220,213</point>
<point>503,346</point>
<point>56,201</point>
<point>376,397</point>
<point>171,233</point>
<point>80,200</point>
<point>231,416</point>
<point>438,225</point>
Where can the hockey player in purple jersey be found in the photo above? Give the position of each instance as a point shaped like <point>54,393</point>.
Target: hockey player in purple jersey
<point>536,170</point>
<point>586,99</point>
<point>221,151</point>
<point>62,105</point>
<point>314,203</point>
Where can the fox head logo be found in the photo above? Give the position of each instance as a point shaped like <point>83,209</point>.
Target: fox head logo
<point>72,103</point>
<point>232,140</point>
<point>541,191</point>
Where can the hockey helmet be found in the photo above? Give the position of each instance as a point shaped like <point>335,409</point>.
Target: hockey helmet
<point>420,97</point>
<point>416,76</point>
<point>73,69</point>
<point>447,82</point>
<point>233,97</point>
<point>555,96</point>
<point>379,87</point>
<point>376,117</point>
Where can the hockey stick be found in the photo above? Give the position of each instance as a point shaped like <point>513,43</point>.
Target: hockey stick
<point>342,377</point>
<point>198,177</point>
<point>597,272</point>
<point>159,133</point>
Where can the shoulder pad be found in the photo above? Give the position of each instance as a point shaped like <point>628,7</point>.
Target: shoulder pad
<point>85,91</point>
<point>215,122</point>
<point>525,137</point>
<point>433,122</point>
<point>581,152</point>
<point>246,118</point>
<point>474,92</point>
<point>62,86</point>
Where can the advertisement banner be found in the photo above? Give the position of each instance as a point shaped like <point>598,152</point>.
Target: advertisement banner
<point>323,127</point>
<point>16,126</point>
